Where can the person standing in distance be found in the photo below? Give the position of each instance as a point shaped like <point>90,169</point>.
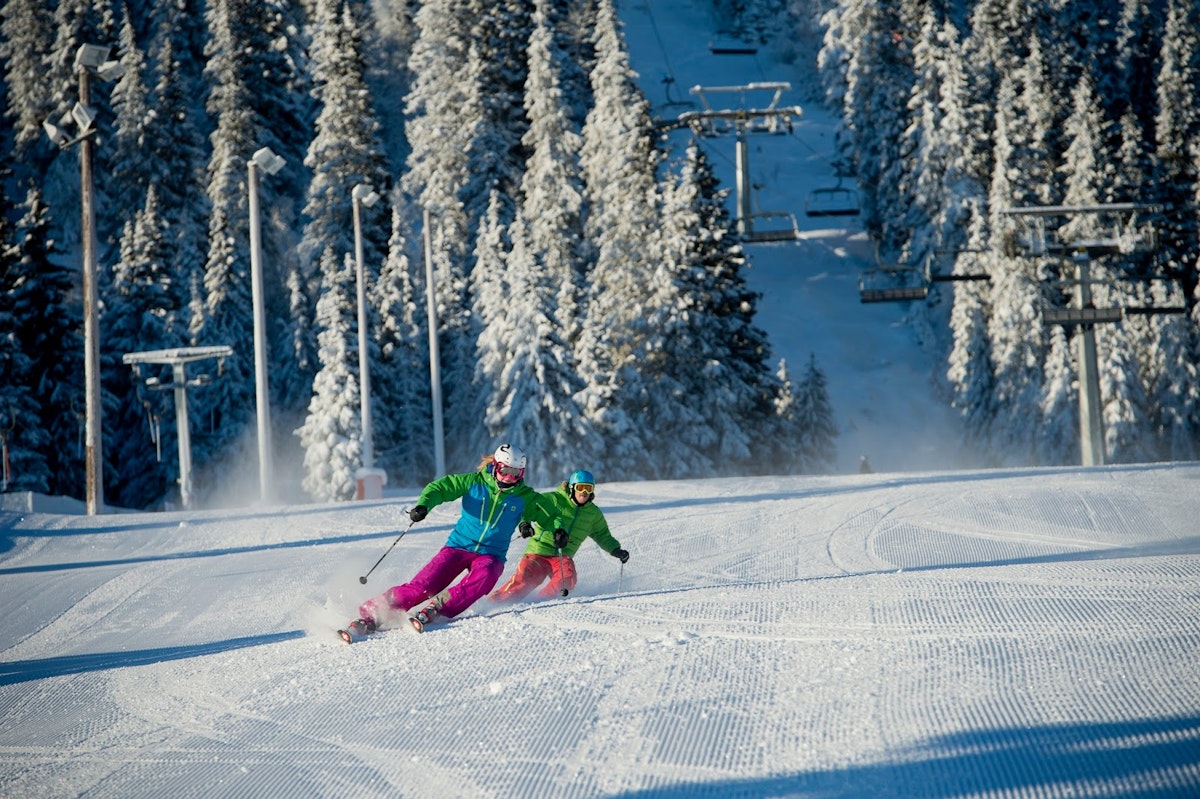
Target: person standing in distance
<point>550,552</point>
<point>495,500</point>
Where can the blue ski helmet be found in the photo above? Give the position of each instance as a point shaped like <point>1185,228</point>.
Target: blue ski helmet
<point>581,476</point>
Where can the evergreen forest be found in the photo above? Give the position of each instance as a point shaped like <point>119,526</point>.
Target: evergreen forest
<point>588,281</point>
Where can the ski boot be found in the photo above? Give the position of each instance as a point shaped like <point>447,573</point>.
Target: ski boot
<point>357,630</point>
<point>427,614</point>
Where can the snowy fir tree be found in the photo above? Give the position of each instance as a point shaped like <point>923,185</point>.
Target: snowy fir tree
<point>37,290</point>
<point>814,413</point>
<point>23,438</point>
<point>404,438</point>
<point>345,153</point>
<point>332,433</point>
<point>619,165</point>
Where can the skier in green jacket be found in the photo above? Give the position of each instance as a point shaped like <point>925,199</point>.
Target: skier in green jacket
<point>549,552</point>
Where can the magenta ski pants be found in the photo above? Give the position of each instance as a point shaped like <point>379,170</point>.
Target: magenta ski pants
<point>483,572</point>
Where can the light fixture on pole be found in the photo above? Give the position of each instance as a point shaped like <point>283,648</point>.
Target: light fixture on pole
<point>270,163</point>
<point>89,59</point>
<point>363,195</point>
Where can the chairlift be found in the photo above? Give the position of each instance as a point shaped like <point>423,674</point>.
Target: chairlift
<point>780,226</point>
<point>726,43</point>
<point>781,232</point>
<point>671,102</point>
<point>832,201</point>
<point>892,282</point>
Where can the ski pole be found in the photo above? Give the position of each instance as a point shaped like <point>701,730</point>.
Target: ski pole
<point>363,579</point>
<point>621,577</point>
<point>562,572</point>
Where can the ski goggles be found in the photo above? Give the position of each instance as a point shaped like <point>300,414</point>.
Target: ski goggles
<point>512,473</point>
<point>587,488</point>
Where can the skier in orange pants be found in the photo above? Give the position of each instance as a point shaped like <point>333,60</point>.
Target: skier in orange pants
<point>549,554</point>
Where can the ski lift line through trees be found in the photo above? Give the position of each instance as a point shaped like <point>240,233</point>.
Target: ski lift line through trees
<point>178,358</point>
<point>742,121</point>
<point>1127,237</point>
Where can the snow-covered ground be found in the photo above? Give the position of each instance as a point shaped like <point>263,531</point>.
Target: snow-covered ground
<point>1005,633</point>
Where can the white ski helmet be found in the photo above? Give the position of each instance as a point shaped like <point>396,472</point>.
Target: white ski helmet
<point>508,464</point>
<point>510,455</point>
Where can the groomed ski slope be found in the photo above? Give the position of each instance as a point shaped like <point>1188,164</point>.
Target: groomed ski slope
<point>1007,634</point>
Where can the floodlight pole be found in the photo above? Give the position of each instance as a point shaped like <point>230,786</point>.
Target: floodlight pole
<point>1091,430</point>
<point>93,441</point>
<point>272,163</point>
<point>360,196</point>
<point>435,373</point>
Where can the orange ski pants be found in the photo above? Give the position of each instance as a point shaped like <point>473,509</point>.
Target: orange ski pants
<point>531,571</point>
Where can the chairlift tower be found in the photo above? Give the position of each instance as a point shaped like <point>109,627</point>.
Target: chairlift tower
<point>1121,232</point>
<point>771,119</point>
<point>178,359</point>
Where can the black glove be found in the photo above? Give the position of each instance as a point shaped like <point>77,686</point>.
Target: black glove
<point>621,555</point>
<point>418,513</point>
<point>560,538</point>
<point>526,529</point>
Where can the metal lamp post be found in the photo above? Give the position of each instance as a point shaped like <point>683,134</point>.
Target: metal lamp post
<point>435,371</point>
<point>89,59</point>
<point>363,195</point>
<point>270,163</point>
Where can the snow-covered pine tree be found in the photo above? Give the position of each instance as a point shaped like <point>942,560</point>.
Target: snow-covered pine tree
<point>619,166</point>
<point>50,335</point>
<point>1087,173</point>
<point>1057,441</point>
<point>331,435</point>
<point>1177,182</point>
<point>125,157</point>
<point>24,440</point>
<point>545,257</point>
<point>444,112</point>
<point>814,415</point>
<point>969,362</point>
<point>404,425</point>
<point>144,314</point>
<point>345,152</point>
<point>1014,321</point>
<point>711,394</point>
<point>27,33</point>
<point>254,101</point>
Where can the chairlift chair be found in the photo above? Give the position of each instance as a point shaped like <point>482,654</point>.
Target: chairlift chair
<point>832,201</point>
<point>725,43</point>
<point>893,284</point>
<point>776,233</point>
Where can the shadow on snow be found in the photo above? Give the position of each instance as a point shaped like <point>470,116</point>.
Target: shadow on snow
<point>18,671</point>
<point>1139,757</point>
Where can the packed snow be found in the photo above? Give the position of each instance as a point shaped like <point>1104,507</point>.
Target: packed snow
<point>996,633</point>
